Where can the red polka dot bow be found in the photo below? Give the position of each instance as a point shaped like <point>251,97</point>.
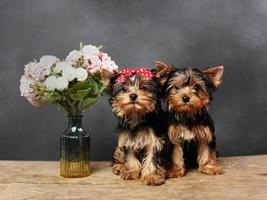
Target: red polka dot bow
<point>143,71</point>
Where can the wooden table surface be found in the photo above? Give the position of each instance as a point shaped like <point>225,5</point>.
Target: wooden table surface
<point>244,178</point>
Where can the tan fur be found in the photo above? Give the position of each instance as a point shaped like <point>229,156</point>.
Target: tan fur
<point>118,166</point>
<point>143,139</point>
<point>157,177</point>
<point>175,102</point>
<point>106,76</point>
<point>119,155</point>
<point>130,174</point>
<point>150,174</point>
<point>177,89</point>
<point>215,74</point>
<point>177,168</point>
<point>133,167</point>
<point>124,107</point>
<point>203,133</point>
<point>179,132</point>
<point>191,84</point>
<point>132,163</point>
<point>163,70</point>
<point>207,160</point>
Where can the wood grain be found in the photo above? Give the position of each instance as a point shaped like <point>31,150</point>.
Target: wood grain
<point>244,178</point>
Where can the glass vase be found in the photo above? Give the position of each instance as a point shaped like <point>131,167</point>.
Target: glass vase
<point>75,150</point>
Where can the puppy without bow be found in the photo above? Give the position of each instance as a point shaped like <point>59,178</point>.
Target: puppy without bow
<point>188,93</point>
<point>141,149</point>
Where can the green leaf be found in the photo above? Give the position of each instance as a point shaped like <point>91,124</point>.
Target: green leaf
<point>53,96</point>
<point>79,95</point>
<point>88,102</point>
<point>81,46</point>
<point>96,76</point>
<point>83,85</point>
<point>101,89</point>
<point>93,86</point>
<point>80,90</point>
<point>83,93</point>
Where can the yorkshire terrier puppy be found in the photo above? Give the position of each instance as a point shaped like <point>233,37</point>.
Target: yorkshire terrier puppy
<point>188,94</point>
<point>142,143</point>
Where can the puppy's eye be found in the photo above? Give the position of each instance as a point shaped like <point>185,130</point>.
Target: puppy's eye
<point>124,89</point>
<point>142,87</point>
<point>196,87</point>
<point>177,86</point>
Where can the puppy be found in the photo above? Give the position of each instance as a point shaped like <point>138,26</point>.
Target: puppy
<point>142,146</point>
<point>187,96</point>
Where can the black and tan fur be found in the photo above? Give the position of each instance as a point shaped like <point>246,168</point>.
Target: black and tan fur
<point>187,95</point>
<point>141,151</point>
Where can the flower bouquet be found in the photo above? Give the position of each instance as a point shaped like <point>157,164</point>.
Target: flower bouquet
<point>73,84</point>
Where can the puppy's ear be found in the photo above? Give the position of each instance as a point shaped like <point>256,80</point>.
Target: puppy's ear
<point>214,74</point>
<point>163,71</point>
<point>106,76</point>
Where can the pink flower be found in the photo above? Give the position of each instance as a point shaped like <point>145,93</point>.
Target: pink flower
<point>25,86</point>
<point>99,62</point>
<point>95,64</point>
<point>107,63</point>
<point>27,91</point>
<point>35,71</point>
<point>34,101</point>
<point>38,70</point>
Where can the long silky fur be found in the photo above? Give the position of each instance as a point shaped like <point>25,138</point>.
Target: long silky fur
<point>201,117</point>
<point>155,120</point>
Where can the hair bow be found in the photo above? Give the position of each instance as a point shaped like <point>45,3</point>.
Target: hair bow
<point>126,72</point>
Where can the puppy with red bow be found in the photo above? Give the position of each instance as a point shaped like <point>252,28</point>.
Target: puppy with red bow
<point>142,149</point>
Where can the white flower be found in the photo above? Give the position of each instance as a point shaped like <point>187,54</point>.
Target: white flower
<point>61,83</point>
<point>51,83</point>
<point>69,73</point>
<point>60,66</point>
<point>73,56</point>
<point>47,61</point>
<point>81,74</point>
<point>89,50</point>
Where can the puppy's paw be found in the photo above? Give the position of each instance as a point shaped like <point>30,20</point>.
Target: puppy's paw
<point>175,173</point>
<point>130,175</point>
<point>153,179</point>
<point>118,168</point>
<point>212,170</point>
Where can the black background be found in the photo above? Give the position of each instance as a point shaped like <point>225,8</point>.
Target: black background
<point>184,33</point>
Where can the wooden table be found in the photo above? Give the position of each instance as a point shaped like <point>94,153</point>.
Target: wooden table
<point>245,178</point>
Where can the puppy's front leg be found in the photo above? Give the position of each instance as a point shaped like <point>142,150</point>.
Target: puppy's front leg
<point>132,167</point>
<point>207,160</point>
<point>177,167</point>
<point>119,161</point>
<point>152,172</point>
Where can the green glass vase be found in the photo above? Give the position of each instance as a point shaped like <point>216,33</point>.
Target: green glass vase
<point>75,150</point>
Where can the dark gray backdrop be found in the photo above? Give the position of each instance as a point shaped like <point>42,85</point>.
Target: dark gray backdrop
<point>185,33</point>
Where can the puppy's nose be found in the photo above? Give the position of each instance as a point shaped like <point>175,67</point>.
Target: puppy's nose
<point>133,96</point>
<point>185,99</point>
